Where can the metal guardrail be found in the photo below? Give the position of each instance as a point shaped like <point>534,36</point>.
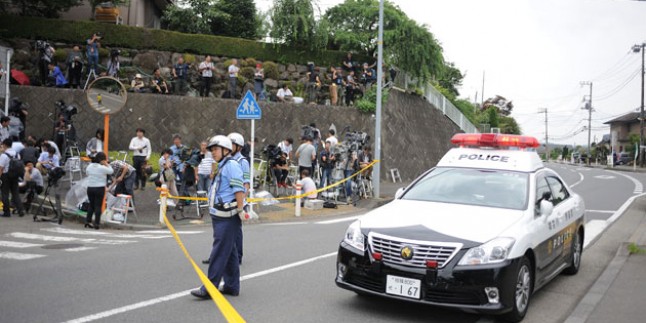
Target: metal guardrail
<point>440,102</point>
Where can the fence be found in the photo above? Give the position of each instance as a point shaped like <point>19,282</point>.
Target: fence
<point>440,102</point>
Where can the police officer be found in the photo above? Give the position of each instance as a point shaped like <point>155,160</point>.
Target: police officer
<point>226,201</point>
<point>238,143</point>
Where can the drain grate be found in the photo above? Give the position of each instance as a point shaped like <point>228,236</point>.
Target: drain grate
<point>62,246</point>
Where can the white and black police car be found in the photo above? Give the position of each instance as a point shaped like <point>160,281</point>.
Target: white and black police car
<point>482,231</point>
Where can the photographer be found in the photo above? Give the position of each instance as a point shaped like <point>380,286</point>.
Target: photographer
<point>206,169</point>
<point>97,173</point>
<point>206,70</point>
<point>74,67</point>
<point>167,175</point>
<point>9,180</point>
<point>48,159</point>
<point>140,146</point>
<point>93,45</point>
<point>368,76</point>
<point>328,160</point>
<point>32,184</point>
<point>60,129</point>
<point>281,169</point>
<point>180,74</point>
<point>306,154</point>
<point>286,146</point>
<point>113,64</point>
<point>124,178</point>
<point>348,169</point>
<point>95,144</point>
<point>365,158</point>
<point>46,56</point>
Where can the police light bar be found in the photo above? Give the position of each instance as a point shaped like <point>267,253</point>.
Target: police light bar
<point>494,140</point>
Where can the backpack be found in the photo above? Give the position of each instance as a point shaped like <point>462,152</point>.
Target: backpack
<point>16,168</point>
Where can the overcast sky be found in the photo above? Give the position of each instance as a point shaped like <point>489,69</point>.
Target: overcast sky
<point>535,53</point>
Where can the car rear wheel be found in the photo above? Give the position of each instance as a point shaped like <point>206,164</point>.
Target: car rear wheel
<point>577,250</point>
<point>522,291</point>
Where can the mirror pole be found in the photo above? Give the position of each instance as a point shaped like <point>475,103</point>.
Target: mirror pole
<point>106,135</point>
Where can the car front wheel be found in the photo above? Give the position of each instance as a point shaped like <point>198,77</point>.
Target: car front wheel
<point>522,291</point>
<point>577,250</point>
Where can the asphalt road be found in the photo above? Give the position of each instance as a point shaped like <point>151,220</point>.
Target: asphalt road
<point>288,271</point>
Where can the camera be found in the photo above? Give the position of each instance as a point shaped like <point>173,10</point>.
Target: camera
<point>98,34</point>
<point>115,53</point>
<point>272,152</point>
<point>41,45</point>
<point>67,110</point>
<point>54,175</point>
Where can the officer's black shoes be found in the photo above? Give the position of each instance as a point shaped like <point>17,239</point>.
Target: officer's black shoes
<point>227,291</point>
<point>206,261</point>
<point>199,293</point>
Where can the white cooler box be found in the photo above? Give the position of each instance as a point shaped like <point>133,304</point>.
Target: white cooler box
<point>314,204</point>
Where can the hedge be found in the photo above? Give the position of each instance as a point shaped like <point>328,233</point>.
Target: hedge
<point>75,32</point>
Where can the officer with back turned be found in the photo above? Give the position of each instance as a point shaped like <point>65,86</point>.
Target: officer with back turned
<point>226,202</point>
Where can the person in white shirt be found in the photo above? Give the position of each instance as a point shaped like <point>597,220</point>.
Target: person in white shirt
<point>284,94</point>
<point>4,128</point>
<point>331,138</point>
<point>206,70</point>
<point>140,147</point>
<point>97,173</point>
<point>17,145</point>
<point>206,168</point>
<point>47,160</point>
<point>9,183</point>
<point>233,77</point>
<point>309,187</point>
<point>286,146</point>
<point>32,184</point>
<point>95,144</point>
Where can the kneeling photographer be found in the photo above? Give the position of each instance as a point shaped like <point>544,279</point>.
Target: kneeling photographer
<point>281,169</point>
<point>32,184</point>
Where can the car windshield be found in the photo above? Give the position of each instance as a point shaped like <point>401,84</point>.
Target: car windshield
<point>481,187</point>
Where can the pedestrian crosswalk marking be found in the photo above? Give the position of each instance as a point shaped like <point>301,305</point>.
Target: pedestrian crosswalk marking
<point>32,236</point>
<point>18,256</point>
<point>80,249</point>
<point>15,244</point>
<point>105,234</point>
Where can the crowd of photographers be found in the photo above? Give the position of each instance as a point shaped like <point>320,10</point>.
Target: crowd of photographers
<point>345,83</point>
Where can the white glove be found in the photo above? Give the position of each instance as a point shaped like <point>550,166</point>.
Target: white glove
<point>244,216</point>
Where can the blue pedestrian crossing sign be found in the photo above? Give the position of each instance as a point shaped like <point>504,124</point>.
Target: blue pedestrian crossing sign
<point>248,108</point>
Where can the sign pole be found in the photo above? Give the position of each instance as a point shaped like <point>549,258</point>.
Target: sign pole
<point>7,80</point>
<point>251,163</point>
<point>106,135</point>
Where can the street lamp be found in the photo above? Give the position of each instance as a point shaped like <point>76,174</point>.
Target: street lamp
<point>636,49</point>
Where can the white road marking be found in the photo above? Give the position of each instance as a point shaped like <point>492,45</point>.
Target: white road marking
<point>19,256</point>
<point>593,228</point>
<point>639,187</point>
<point>604,177</point>
<point>80,249</point>
<point>579,181</point>
<point>14,244</point>
<point>76,232</point>
<point>150,302</point>
<point>168,232</point>
<point>601,211</point>
<point>32,236</point>
<point>352,218</point>
<point>283,223</point>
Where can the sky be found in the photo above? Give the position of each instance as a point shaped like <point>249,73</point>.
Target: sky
<point>536,53</point>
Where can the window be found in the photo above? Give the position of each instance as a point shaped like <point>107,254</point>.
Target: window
<point>559,192</point>
<point>541,188</point>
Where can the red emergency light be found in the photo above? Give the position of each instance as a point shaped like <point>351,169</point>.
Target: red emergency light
<point>494,140</point>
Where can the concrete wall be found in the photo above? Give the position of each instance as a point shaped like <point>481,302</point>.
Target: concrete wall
<point>415,135</point>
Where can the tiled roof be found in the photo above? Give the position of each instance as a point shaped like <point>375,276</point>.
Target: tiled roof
<point>626,118</point>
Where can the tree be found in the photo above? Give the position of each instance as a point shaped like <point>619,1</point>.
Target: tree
<point>503,105</point>
<point>509,125</point>
<point>235,18</point>
<point>293,22</point>
<point>185,20</point>
<point>451,78</point>
<point>407,44</point>
<point>263,24</point>
<point>492,115</point>
<point>96,3</point>
<point>43,8</point>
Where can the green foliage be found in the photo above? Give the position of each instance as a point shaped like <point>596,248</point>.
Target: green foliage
<point>60,55</point>
<point>42,8</point>
<point>293,23</point>
<point>189,58</point>
<point>271,70</point>
<point>163,40</point>
<point>509,125</point>
<point>408,45</point>
<point>368,103</point>
<point>263,24</point>
<point>635,249</point>
<point>235,18</point>
<point>184,20</point>
<point>492,117</point>
<point>467,109</point>
<point>249,62</point>
<point>247,72</point>
<point>451,78</point>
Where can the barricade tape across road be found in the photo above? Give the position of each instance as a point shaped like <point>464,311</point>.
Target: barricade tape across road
<point>227,310</point>
<point>304,194</point>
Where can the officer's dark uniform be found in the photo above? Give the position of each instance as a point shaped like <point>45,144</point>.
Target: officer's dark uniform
<point>246,179</point>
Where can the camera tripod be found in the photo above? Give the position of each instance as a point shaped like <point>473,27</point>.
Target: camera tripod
<point>92,74</point>
<point>56,207</point>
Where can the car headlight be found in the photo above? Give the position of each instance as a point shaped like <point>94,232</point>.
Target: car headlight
<point>354,237</point>
<point>492,252</point>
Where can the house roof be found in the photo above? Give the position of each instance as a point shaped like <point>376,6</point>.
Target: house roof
<point>626,118</point>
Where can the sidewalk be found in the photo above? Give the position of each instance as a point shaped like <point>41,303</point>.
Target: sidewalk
<point>147,208</point>
<point>618,293</point>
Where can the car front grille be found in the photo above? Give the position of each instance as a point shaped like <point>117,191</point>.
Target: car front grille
<point>391,249</point>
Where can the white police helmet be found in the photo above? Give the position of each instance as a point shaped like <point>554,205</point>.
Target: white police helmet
<point>220,141</point>
<point>236,138</point>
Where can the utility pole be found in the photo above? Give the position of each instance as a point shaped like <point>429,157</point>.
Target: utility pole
<point>588,106</point>
<point>482,94</point>
<point>636,49</point>
<point>376,176</point>
<point>547,145</point>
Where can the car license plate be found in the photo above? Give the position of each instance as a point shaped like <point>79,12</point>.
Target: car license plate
<point>403,286</point>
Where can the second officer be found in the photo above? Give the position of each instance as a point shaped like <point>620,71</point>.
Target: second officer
<point>226,202</point>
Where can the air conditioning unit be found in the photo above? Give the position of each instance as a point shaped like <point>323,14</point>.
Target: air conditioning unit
<point>495,130</point>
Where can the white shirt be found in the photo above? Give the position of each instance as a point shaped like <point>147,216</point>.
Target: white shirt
<point>282,93</point>
<point>94,144</point>
<point>17,146</point>
<point>4,159</point>
<point>233,71</point>
<point>206,165</point>
<point>53,144</point>
<point>97,174</point>
<point>285,147</point>
<point>206,72</point>
<point>332,140</point>
<point>309,186</point>
<point>4,133</point>
<point>36,177</point>
<point>141,147</point>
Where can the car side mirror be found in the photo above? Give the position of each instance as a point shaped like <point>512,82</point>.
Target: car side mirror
<point>399,192</point>
<point>546,208</point>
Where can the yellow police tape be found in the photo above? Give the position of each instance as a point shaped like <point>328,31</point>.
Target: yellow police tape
<point>229,313</point>
<point>254,200</point>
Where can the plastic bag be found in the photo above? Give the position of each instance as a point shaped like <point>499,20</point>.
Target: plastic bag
<point>268,199</point>
<point>77,193</point>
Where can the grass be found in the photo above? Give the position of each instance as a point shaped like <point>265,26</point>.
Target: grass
<point>153,161</point>
<point>634,249</point>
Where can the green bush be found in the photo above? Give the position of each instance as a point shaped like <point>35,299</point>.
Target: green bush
<point>271,70</point>
<point>189,58</point>
<point>249,62</point>
<point>247,72</point>
<point>368,103</point>
<point>60,55</point>
<point>163,40</point>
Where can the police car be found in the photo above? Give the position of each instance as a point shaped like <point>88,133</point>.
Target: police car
<point>483,230</point>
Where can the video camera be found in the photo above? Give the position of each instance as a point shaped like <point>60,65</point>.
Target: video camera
<point>54,175</point>
<point>272,152</point>
<point>68,111</point>
<point>355,140</point>
<point>16,106</point>
<point>114,53</point>
<point>42,45</point>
